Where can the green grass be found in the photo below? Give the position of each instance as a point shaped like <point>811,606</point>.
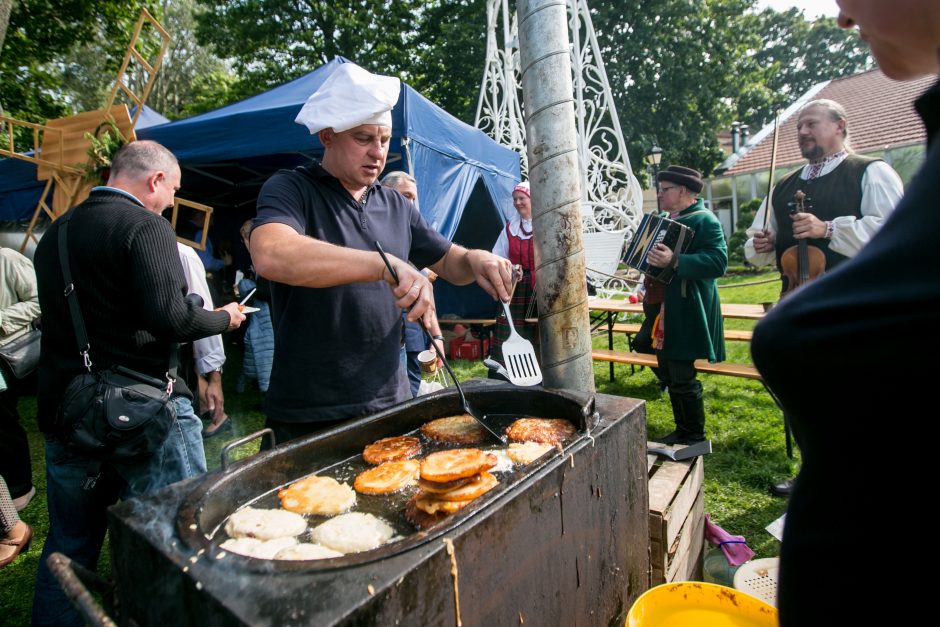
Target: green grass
<point>743,423</point>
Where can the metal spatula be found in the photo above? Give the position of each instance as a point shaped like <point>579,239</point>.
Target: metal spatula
<point>519,357</point>
<point>463,399</point>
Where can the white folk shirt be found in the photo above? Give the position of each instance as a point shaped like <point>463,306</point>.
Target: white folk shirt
<point>209,352</point>
<point>881,191</point>
<point>501,248</point>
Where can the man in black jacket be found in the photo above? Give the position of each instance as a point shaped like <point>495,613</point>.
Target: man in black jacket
<point>847,558</point>
<point>131,292</point>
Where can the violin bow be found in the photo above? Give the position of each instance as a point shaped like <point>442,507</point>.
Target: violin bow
<point>769,208</point>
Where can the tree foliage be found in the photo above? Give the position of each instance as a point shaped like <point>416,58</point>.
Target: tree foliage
<point>674,68</point>
<point>450,55</point>
<point>41,37</point>
<point>273,41</point>
<point>680,70</point>
<point>794,54</point>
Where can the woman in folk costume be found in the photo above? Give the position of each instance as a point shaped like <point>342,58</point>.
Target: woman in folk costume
<point>516,244</point>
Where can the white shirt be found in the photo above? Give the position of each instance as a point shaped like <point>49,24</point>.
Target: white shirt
<point>209,352</point>
<point>881,191</point>
<point>501,248</point>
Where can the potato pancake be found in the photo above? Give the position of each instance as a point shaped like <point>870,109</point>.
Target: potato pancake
<point>388,477</point>
<point>392,449</point>
<point>545,430</point>
<point>446,466</point>
<point>463,429</point>
<point>317,495</point>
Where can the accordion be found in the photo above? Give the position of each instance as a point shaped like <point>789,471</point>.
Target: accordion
<point>654,230</point>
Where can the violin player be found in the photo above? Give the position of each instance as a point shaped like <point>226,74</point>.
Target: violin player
<point>847,199</point>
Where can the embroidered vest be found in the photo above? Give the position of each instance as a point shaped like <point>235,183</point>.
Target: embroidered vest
<point>836,194</point>
<point>522,252</point>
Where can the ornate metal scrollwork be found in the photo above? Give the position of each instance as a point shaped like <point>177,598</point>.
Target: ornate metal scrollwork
<point>612,199</point>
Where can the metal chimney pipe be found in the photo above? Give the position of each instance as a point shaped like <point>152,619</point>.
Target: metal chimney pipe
<point>554,176</point>
<point>735,137</point>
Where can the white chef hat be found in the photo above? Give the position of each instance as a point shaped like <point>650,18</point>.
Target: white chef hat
<point>350,96</point>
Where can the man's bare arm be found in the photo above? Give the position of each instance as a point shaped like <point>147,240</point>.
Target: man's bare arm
<point>281,254</point>
<point>461,266</point>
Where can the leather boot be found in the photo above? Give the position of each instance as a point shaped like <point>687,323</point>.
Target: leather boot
<point>680,434</point>
<point>693,419</point>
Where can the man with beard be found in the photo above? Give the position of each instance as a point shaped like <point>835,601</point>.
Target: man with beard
<point>848,198</point>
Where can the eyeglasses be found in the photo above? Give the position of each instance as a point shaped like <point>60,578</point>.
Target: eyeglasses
<point>663,190</point>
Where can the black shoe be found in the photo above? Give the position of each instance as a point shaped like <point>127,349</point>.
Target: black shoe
<point>676,437</point>
<point>784,488</point>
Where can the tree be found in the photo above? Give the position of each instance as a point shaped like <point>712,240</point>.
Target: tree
<point>191,73</point>
<point>675,68</point>
<point>89,77</point>
<point>273,41</point>
<point>40,36</point>
<point>794,55</point>
<point>451,51</point>
<point>5,7</point>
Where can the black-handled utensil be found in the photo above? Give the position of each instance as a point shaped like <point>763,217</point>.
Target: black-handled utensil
<point>463,399</point>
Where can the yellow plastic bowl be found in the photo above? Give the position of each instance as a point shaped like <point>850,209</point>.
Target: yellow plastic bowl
<point>698,604</point>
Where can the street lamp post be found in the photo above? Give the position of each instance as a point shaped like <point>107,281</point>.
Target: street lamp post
<point>652,159</point>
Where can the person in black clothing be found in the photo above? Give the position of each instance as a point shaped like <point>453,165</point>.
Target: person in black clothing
<point>132,294</point>
<point>849,354</point>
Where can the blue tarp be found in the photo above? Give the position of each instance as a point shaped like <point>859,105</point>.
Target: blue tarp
<point>461,172</point>
<point>448,157</point>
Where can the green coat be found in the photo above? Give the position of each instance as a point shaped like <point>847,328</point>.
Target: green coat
<point>693,325</point>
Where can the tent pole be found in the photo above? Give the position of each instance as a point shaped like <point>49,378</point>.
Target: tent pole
<point>555,179</point>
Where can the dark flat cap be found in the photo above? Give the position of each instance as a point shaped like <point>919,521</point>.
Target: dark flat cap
<point>687,177</point>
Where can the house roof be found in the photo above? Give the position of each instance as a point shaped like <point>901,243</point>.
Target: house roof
<point>880,113</point>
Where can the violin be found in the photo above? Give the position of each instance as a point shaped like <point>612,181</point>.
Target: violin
<point>801,263</point>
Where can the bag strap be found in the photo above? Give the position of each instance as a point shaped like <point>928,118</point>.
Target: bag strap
<point>75,312</point>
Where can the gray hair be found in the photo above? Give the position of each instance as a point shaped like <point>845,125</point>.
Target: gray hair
<point>141,158</point>
<point>836,113</point>
<point>394,178</point>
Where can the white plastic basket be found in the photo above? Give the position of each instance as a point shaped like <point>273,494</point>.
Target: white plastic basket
<point>759,578</point>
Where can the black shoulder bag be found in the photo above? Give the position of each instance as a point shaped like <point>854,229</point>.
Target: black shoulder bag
<point>21,356</point>
<point>111,415</point>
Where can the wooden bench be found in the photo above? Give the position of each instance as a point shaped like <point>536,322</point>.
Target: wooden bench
<point>745,371</point>
<point>735,335</point>
<point>701,365</point>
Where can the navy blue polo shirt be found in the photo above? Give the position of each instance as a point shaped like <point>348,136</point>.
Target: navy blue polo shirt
<point>336,349</point>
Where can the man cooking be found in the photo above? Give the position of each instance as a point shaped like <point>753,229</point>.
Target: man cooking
<point>335,305</point>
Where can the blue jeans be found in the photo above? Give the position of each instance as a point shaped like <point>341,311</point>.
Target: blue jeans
<point>77,517</point>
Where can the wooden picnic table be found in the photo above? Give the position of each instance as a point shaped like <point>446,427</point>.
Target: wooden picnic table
<point>741,311</point>
<point>609,308</point>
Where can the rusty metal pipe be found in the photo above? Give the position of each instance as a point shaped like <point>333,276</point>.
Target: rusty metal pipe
<point>554,175</point>
<point>72,576</point>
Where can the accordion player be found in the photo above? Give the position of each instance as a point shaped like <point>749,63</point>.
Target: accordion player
<point>656,229</point>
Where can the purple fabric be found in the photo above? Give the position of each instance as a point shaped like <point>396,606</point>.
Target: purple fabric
<point>734,547</point>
